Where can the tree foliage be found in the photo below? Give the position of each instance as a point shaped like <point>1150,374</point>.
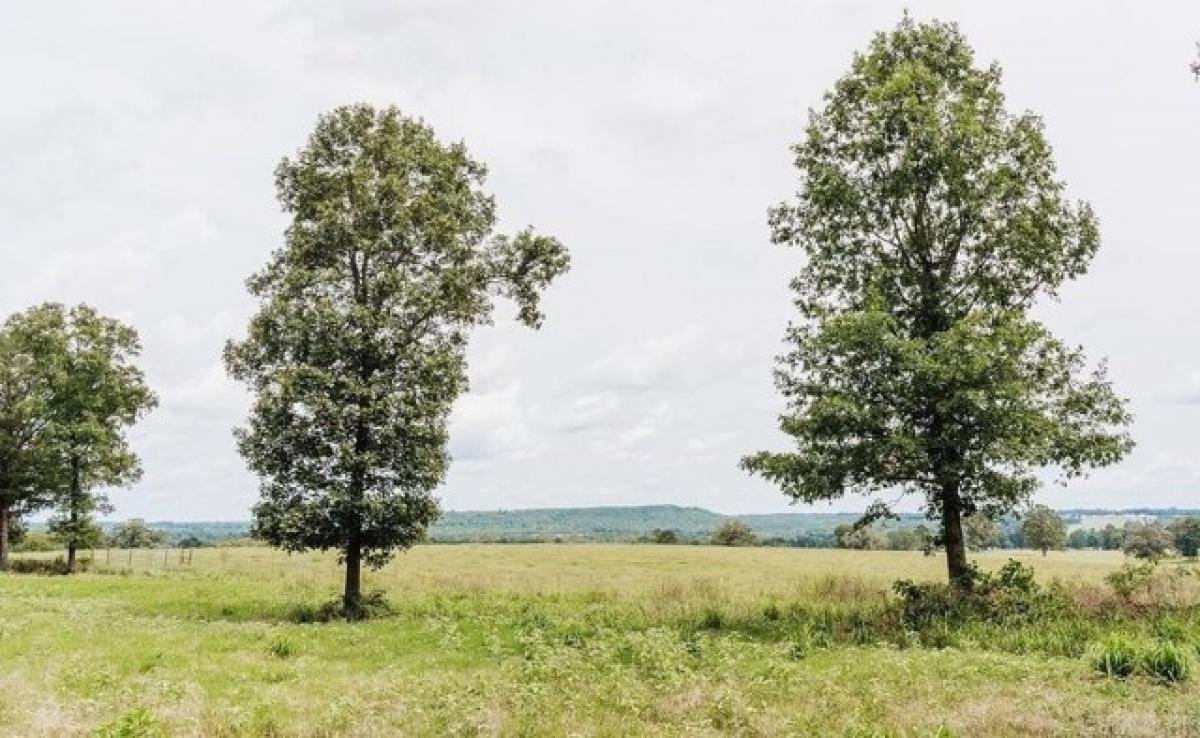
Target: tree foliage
<point>1185,533</point>
<point>134,533</point>
<point>931,219</point>
<point>26,390</point>
<point>99,393</point>
<point>1147,541</point>
<point>1043,529</point>
<point>981,531</point>
<point>358,348</point>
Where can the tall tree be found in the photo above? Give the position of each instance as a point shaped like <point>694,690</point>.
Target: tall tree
<point>931,220</point>
<point>1043,529</point>
<point>26,381</point>
<point>99,393</point>
<point>357,351</point>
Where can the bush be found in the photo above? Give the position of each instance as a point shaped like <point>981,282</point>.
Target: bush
<point>1131,579</point>
<point>1011,594</point>
<point>1116,657</point>
<point>281,648</point>
<point>51,567</point>
<point>1166,662</point>
<point>372,605</point>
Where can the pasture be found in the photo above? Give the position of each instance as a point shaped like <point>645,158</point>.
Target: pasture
<point>569,639</point>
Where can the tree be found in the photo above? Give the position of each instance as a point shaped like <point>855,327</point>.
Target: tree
<point>981,532</point>
<point>665,536</point>
<point>357,351</point>
<point>862,538</point>
<point>1043,529</point>
<point>733,533</point>
<point>931,221</point>
<point>1111,538</point>
<point>134,533</point>
<point>26,389</point>
<point>1146,541</point>
<point>1186,536</point>
<point>98,393</point>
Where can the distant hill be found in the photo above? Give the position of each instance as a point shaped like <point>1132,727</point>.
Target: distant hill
<point>616,523</point>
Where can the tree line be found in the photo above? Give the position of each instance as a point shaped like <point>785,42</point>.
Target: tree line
<point>931,220</point>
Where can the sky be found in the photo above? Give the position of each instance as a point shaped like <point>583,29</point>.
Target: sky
<point>138,140</point>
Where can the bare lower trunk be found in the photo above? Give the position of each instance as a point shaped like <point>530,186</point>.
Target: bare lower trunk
<point>353,593</point>
<point>74,515</point>
<point>952,538</point>
<point>71,558</point>
<point>4,537</point>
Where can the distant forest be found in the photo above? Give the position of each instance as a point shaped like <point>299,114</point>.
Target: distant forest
<point>640,523</point>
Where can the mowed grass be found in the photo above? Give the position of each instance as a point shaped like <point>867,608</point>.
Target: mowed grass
<point>564,639</point>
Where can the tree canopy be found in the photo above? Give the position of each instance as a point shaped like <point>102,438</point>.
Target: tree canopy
<point>931,219</point>
<point>358,348</point>
<point>1043,529</point>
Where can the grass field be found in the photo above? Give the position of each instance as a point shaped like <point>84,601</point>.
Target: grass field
<point>567,639</point>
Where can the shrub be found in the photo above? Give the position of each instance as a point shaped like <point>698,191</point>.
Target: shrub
<point>1116,656</point>
<point>1011,594</point>
<point>1131,579</point>
<point>49,567</point>
<point>1166,662</point>
<point>281,648</point>
<point>372,605</point>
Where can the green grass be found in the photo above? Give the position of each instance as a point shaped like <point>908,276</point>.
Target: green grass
<point>575,639</point>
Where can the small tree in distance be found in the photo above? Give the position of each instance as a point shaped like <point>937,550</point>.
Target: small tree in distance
<point>134,533</point>
<point>1043,529</point>
<point>1186,534</point>
<point>357,352</point>
<point>1150,541</point>
<point>982,532</point>
<point>733,532</point>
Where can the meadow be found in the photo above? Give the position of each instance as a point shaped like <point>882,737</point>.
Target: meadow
<point>552,639</point>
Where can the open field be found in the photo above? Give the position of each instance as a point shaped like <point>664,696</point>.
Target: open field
<point>582,639</point>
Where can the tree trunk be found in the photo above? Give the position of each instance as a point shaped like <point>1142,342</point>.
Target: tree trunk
<point>952,538</point>
<point>72,503</point>
<point>4,536</point>
<point>353,593</point>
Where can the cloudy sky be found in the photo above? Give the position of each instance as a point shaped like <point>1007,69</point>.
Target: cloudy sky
<point>137,142</point>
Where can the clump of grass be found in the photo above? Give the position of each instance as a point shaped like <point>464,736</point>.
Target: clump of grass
<point>281,647</point>
<point>712,619</point>
<point>1166,662</point>
<point>1116,656</point>
<point>137,723</point>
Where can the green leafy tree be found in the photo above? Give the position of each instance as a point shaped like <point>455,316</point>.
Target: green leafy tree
<point>1043,529</point>
<point>357,351</point>
<point>134,533</point>
<point>1149,541</point>
<point>1186,535</point>
<point>98,395</point>
<point>931,220</point>
<point>733,533</point>
<point>26,388</point>
<point>981,531</point>
<point>862,537</point>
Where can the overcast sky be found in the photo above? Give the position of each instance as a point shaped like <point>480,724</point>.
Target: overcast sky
<point>137,142</point>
